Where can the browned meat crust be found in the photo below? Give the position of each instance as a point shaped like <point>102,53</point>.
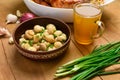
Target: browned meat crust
<point>60,3</point>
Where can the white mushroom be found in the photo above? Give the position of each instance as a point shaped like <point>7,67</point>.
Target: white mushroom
<point>61,38</point>
<point>46,43</point>
<point>43,47</point>
<point>42,41</point>
<point>58,33</point>
<point>57,44</point>
<point>36,46</point>
<point>49,38</point>
<point>38,28</point>
<point>51,28</point>
<point>45,33</point>
<point>22,40</point>
<point>51,48</point>
<point>22,45</point>
<point>64,36</point>
<point>37,38</point>
<point>23,35</point>
<point>25,45</point>
<point>29,34</point>
<point>32,49</point>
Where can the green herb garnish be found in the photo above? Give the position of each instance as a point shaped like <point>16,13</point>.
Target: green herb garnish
<point>93,64</point>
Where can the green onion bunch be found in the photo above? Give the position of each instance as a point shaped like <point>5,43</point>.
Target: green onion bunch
<point>93,64</point>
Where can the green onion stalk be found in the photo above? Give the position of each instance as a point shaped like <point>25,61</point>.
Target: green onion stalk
<point>93,64</point>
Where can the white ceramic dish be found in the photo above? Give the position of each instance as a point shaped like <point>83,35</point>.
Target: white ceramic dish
<point>60,13</point>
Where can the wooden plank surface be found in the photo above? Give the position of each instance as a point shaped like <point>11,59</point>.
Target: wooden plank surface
<point>5,69</point>
<point>14,66</point>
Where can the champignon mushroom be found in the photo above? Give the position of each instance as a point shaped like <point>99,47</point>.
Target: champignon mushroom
<point>57,44</point>
<point>32,49</point>
<point>38,28</point>
<point>43,47</point>
<point>51,48</point>
<point>37,38</point>
<point>29,34</point>
<point>46,43</point>
<point>36,46</point>
<point>49,38</point>
<point>23,35</point>
<point>51,28</point>
<point>22,40</point>
<point>25,45</point>
<point>61,37</point>
<point>45,33</point>
<point>57,32</point>
<point>64,36</point>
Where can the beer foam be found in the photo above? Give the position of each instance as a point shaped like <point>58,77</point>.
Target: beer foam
<point>87,10</point>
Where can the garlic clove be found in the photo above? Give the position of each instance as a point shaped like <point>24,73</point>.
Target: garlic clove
<point>18,13</point>
<point>11,41</point>
<point>17,22</point>
<point>1,34</point>
<point>11,18</point>
<point>7,33</point>
<point>4,32</point>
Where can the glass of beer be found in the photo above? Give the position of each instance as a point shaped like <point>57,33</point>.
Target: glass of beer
<point>87,24</point>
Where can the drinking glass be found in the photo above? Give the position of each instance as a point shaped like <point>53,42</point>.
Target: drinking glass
<point>87,24</point>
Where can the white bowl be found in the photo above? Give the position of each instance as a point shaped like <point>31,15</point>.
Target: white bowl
<point>41,10</point>
<point>61,13</point>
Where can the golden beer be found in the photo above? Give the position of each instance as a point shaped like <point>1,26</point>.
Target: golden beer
<point>85,27</point>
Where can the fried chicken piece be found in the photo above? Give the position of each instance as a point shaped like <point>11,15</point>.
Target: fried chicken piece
<point>60,3</point>
<point>48,1</point>
<point>42,2</point>
<point>37,1</point>
<point>65,3</point>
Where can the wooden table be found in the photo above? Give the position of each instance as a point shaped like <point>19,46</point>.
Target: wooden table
<point>14,66</point>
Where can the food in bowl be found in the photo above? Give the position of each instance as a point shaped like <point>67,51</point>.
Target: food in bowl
<point>41,21</point>
<point>42,38</point>
<point>65,3</point>
<point>60,3</point>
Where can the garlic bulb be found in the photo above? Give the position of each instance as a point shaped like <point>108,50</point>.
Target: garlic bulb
<point>4,32</point>
<point>11,18</point>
